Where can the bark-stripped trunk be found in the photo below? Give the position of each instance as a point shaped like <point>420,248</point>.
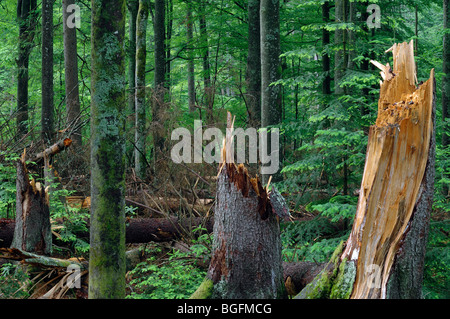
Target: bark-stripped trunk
<point>384,254</point>
<point>32,231</point>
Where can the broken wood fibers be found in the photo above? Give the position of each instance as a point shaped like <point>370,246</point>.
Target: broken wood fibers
<point>396,159</point>
<point>246,254</point>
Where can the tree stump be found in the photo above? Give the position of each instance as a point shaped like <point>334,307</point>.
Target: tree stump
<point>32,232</point>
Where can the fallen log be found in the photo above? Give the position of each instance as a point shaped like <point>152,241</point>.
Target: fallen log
<point>138,230</point>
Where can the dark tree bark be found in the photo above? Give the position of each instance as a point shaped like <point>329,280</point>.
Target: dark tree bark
<point>340,41</point>
<point>446,87</point>
<point>140,163</point>
<point>107,231</point>
<point>254,64</point>
<point>71,76</point>
<point>32,232</point>
<point>47,119</point>
<point>191,62</point>
<point>326,84</point>
<point>271,108</point>
<point>207,85</point>
<point>26,16</point>
<point>133,6</point>
<point>246,260</point>
<point>160,77</point>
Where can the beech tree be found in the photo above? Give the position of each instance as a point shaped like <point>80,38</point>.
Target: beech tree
<point>107,231</point>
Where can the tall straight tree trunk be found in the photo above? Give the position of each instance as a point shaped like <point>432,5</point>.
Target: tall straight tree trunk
<point>47,122</point>
<point>191,62</point>
<point>254,64</point>
<point>207,87</point>
<point>326,84</point>
<point>160,77</point>
<point>340,41</point>
<point>133,6</point>
<point>271,108</point>
<point>446,86</point>
<point>384,254</point>
<point>141,58</point>
<point>107,262</point>
<point>168,17</point>
<point>26,17</point>
<point>71,76</point>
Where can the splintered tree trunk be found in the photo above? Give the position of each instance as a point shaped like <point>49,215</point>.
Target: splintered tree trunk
<point>246,258</point>
<point>32,231</point>
<point>384,254</point>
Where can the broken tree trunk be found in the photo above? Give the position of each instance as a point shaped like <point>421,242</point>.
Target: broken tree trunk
<point>32,231</point>
<point>246,253</point>
<point>384,254</point>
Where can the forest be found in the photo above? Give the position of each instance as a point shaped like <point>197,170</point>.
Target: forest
<point>224,149</point>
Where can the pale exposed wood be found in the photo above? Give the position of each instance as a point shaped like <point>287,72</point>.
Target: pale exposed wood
<point>396,159</point>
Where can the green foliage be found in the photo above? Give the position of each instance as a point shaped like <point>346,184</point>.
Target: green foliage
<point>437,259</point>
<point>14,282</point>
<point>7,186</point>
<point>174,275</point>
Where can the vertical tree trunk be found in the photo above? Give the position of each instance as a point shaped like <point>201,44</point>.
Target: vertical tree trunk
<point>207,87</point>
<point>271,109</point>
<point>326,84</point>
<point>191,62</point>
<point>27,23</point>
<point>71,76</point>
<point>32,231</point>
<point>140,114</point>
<point>160,77</point>
<point>47,129</point>
<point>384,254</point>
<point>446,87</point>
<point>133,6</point>
<point>107,231</point>
<point>340,41</point>
<point>254,64</point>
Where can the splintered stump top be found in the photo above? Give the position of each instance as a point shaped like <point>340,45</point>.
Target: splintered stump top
<point>396,160</point>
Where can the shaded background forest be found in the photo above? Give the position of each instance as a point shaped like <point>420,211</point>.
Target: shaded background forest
<point>329,95</point>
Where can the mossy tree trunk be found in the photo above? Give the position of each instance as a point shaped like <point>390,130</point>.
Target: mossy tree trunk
<point>140,114</point>
<point>107,231</point>
<point>384,254</point>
